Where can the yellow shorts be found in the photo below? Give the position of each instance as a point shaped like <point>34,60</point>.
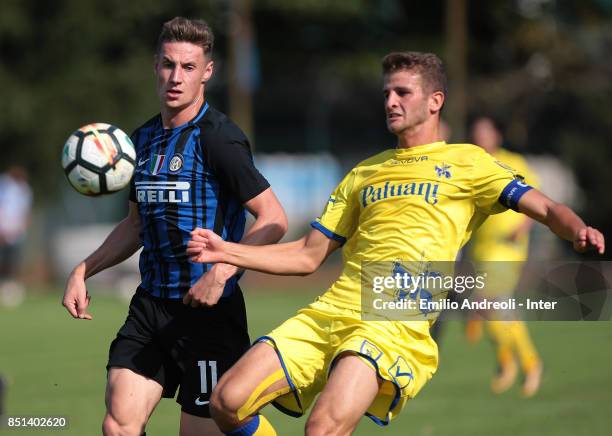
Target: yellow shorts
<point>309,343</point>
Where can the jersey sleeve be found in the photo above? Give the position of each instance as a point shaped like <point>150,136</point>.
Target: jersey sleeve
<point>496,186</point>
<point>340,215</point>
<point>231,160</point>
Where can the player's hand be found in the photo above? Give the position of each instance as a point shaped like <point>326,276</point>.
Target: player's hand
<point>76,298</point>
<point>205,246</point>
<point>209,288</point>
<point>589,238</point>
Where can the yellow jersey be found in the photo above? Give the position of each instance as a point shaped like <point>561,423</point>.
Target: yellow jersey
<point>492,241</point>
<point>418,204</point>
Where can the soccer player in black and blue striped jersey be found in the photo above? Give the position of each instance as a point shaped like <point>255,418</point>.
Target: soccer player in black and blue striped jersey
<point>194,169</point>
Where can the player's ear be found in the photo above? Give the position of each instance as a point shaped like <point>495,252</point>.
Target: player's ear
<point>155,62</point>
<point>436,100</point>
<point>208,71</point>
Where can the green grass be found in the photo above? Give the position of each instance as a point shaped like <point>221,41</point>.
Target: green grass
<point>56,365</point>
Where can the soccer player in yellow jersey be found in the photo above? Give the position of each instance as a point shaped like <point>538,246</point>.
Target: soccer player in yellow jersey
<point>501,243</point>
<point>418,201</point>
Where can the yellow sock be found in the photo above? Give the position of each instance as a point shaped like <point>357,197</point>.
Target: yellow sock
<point>501,333</point>
<point>265,428</point>
<point>527,354</point>
<point>258,426</point>
<point>473,330</point>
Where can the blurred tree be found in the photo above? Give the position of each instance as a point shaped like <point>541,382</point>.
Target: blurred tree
<point>543,67</point>
<point>71,62</point>
<point>242,63</point>
<point>456,63</point>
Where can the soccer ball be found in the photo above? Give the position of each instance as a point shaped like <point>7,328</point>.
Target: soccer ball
<point>98,159</point>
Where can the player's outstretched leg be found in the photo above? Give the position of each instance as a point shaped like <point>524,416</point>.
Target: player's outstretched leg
<point>529,358</point>
<point>473,330</point>
<point>507,370</point>
<point>254,381</point>
<point>351,388</point>
<point>130,400</point>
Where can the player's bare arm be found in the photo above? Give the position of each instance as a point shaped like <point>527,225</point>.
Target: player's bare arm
<point>269,227</point>
<point>299,257</point>
<point>562,221</point>
<point>120,244</point>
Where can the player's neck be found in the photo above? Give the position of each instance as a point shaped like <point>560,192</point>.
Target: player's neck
<point>425,133</point>
<point>172,118</point>
<point>492,149</point>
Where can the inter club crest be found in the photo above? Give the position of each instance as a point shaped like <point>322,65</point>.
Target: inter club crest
<point>176,163</point>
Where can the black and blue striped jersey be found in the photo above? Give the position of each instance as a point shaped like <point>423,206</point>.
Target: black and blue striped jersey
<point>196,175</point>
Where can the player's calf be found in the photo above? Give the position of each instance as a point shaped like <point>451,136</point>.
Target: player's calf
<point>130,399</point>
<point>112,427</point>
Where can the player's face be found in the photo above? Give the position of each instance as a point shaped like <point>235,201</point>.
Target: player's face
<point>485,134</point>
<point>182,69</point>
<point>406,102</point>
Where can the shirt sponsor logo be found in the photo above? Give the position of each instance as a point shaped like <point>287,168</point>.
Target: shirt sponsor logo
<point>373,193</point>
<point>409,160</point>
<point>162,192</point>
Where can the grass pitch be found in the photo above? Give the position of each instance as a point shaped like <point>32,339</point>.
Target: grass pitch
<point>56,366</point>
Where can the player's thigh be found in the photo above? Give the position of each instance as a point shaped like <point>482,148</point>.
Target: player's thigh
<point>351,388</point>
<point>256,374</point>
<point>197,426</point>
<point>130,397</point>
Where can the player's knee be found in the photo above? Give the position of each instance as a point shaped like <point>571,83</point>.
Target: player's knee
<point>319,426</point>
<point>113,427</point>
<point>225,401</point>
<point>323,424</point>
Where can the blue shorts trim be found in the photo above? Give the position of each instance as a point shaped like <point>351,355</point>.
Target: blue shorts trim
<point>286,411</point>
<point>378,421</point>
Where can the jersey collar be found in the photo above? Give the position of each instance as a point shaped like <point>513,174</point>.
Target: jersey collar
<point>419,148</point>
<point>191,122</point>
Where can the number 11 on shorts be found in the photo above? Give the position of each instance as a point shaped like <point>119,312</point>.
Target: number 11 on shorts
<point>204,376</point>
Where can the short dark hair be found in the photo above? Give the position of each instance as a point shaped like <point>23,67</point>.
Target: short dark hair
<point>428,65</point>
<point>180,29</point>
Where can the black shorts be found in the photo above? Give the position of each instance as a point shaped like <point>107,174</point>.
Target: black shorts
<point>175,344</point>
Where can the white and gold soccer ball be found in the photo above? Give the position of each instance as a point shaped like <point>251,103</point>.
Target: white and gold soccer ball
<point>99,159</point>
